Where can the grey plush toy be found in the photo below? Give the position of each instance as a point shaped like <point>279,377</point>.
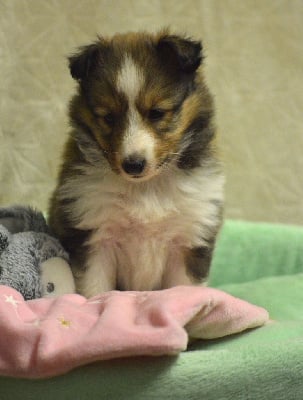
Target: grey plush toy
<point>32,261</point>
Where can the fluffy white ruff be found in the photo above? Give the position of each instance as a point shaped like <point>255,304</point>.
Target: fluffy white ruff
<point>140,229</point>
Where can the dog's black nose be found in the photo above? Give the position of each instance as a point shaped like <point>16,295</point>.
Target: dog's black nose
<point>134,165</point>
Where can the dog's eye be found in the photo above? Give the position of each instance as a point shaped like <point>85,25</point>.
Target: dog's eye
<point>156,114</point>
<point>109,119</point>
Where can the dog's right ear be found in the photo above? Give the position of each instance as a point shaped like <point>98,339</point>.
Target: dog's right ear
<point>81,63</point>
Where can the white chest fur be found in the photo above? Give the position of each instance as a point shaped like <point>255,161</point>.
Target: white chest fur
<point>139,229</point>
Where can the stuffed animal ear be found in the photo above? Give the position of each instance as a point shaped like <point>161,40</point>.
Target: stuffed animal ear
<point>185,52</point>
<point>86,59</point>
<point>22,219</point>
<point>13,225</point>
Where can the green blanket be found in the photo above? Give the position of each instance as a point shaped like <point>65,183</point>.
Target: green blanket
<point>261,263</point>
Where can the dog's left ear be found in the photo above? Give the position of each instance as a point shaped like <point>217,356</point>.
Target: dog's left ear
<point>187,52</point>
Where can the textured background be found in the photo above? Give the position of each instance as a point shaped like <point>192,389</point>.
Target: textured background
<point>254,67</point>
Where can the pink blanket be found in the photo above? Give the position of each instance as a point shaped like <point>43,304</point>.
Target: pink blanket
<point>47,337</point>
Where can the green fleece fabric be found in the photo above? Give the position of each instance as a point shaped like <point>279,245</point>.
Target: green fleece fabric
<point>261,263</point>
<point>247,251</point>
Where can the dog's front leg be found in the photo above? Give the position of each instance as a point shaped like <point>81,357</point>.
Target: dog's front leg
<point>100,273</point>
<point>188,266</point>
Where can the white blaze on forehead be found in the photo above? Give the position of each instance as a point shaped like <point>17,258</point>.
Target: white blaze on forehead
<point>137,139</point>
<point>130,79</point>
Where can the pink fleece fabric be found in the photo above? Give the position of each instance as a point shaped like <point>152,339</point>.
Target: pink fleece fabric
<point>48,337</point>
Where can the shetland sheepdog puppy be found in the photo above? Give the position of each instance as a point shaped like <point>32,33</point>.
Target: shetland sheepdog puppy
<point>138,203</point>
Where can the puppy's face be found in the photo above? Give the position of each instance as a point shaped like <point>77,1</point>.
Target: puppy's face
<point>139,101</point>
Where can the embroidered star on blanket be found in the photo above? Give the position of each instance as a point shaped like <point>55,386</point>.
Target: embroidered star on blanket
<point>10,299</point>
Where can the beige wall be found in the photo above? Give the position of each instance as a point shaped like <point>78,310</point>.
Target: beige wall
<point>254,67</point>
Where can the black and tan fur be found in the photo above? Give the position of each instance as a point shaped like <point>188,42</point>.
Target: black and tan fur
<point>174,109</point>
